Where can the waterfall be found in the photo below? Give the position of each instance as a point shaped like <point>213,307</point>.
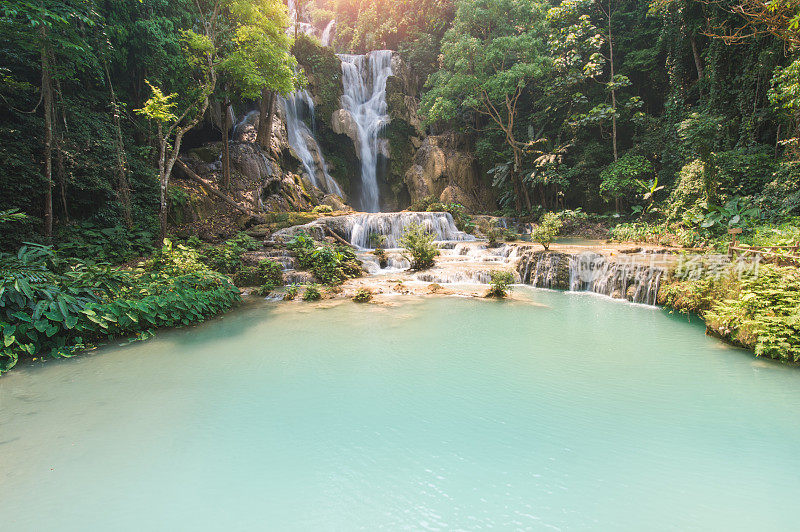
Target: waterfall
<point>327,35</point>
<point>630,279</point>
<point>357,228</point>
<point>364,79</point>
<point>302,140</point>
<point>635,281</point>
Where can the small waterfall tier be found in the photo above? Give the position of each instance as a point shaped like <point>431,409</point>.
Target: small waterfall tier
<point>296,107</point>
<point>364,81</point>
<point>357,228</point>
<point>636,281</point>
<point>630,277</point>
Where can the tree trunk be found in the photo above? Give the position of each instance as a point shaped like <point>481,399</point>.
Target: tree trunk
<point>163,176</point>
<point>123,187</point>
<point>517,176</point>
<point>267,112</point>
<point>47,98</point>
<point>226,147</point>
<point>613,91</point>
<point>698,61</point>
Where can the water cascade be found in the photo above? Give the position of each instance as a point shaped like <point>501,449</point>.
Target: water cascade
<point>357,228</point>
<point>328,33</point>
<point>302,140</point>
<point>636,281</point>
<point>364,80</point>
<point>630,277</point>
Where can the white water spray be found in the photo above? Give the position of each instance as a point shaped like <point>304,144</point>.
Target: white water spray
<point>328,33</point>
<point>302,141</point>
<point>364,80</point>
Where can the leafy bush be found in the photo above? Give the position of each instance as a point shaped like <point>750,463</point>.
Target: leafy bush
<point>92,242</point>
<point>312,293</point>
<point>331,265</point>
<point>766,314</point>
<point>291,292</point>
<point>266,273</point>
<point>422,204</point>
<point>322,209</point>
<point>499,286</point>
<point>362,296</point>
<point>419,248</point>
<point>547,229</point>
<point>620,178</point>
<point>175,260</point>
<point>51,306</point>
<point>227,258</point>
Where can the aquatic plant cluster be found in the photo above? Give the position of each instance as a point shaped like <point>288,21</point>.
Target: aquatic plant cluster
<point>55,306</point>
<point>760,312</point>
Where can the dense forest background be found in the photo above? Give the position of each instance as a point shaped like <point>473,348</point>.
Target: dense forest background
<point>665,109</point>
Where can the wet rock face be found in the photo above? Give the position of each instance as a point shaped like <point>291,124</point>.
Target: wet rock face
<point>545,269</point>
<point>444,169</point>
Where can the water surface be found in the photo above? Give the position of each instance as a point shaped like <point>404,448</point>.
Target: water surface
<point>573,413</point>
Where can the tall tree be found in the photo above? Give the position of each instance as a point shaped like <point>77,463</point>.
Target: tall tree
<point>490,55</point>
<point>172,125</point>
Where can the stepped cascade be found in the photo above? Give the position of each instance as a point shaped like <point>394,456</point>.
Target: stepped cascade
<point>357,228</point>
<point>364,79</point>
<point>303,142</point>
<point>634,279</point>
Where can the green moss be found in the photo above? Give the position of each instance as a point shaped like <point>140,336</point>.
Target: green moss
<point>324,71</point>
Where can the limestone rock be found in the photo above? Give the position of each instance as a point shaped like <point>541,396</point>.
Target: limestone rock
<point>343,123</point>
<point>443,168</point>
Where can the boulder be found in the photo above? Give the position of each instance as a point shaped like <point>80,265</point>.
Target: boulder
<point>343,123</point>
<point>444,168</point>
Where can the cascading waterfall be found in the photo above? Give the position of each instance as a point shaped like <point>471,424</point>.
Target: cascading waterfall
<point>357,228</point>
<point>637,282</point>
<point>629,279</point>
<point>303,142</point>
<point>328,33</point>
<point>364,79</point>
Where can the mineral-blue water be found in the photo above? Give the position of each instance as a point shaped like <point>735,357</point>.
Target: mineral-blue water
<point>558,411</point>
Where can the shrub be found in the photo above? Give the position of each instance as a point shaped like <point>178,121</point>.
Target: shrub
<point>418,244</point>
<point>362,296</point>
<point>331,265</point>
<point>422,204</point>
<point>227,258</point>
<point>619,179</point>
<point>291,292</point>
<point>312,293</point>
<point>322,209</point>
<point>547,230</point>
<point>175,260</point>
<point>55,307</point>
<point>500,284</point>
<point>266,272</point>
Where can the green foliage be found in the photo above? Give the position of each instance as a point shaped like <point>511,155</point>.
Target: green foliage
<point>620,180</point>
<point>291,292</point>
<point>227,258</point>
<point>92,242</point>
<point>52,306</point>
<point>330,264</point>
<point>322,209</point>
<point>547,229</point>
<point>312,293</point>
<point>765,315</point>
<point>419,248</point>
<point>257,56</point>
<point>175,260</point>
<point>362,296</point>
<point>500,284</point>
